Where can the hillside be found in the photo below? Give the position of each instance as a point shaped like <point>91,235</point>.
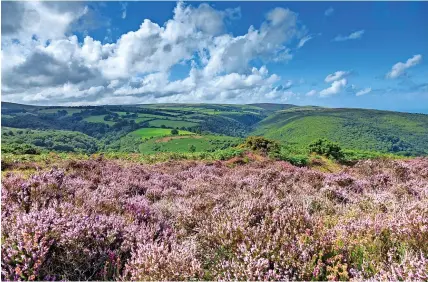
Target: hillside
<point>362,129</point>
<point>112,126</point>
<point>19,141</point>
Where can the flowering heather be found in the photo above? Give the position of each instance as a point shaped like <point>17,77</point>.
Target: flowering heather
<point>265,220</point>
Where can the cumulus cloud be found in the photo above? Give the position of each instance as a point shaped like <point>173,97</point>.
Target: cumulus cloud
<point>337,75</point>
<point>364,91</point>
<point>329,11</point>
<point>399,69</point>
<point>47,64</point>
<point>354,35</point>
<point>336,87</point>
<point>23,20</point>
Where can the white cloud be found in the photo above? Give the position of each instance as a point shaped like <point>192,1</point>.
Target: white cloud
<point>337,75</point>
<point>311,93</point>
<point>137,66</point>
<point>335,88</point>
<point>48,21</point>
<point>364,91</point>
<point>400,68</point>
<point>123,6</point>
<point>304,40</point>
<point>329,11</point>
<point>354,35</point>
<point>231,54</point>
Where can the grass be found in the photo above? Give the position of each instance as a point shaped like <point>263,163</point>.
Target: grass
<point>98,119</point>
<point>156,132</point>
<point>172,123</point>
<point>182,144</point>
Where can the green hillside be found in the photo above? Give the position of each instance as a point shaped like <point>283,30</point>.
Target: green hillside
<point>18,141</point>
<point>120,128</point>
<point>371,130</point>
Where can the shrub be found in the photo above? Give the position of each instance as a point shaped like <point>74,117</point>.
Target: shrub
<point>258,143</point>
<point>326,148</point>
<point>174,132</point>
<point>100,219</point>
<point>297,160</point>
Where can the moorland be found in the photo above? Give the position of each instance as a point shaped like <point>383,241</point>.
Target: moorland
<point>213,192</point>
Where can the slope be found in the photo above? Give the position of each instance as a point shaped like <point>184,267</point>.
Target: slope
<point>362,129</point>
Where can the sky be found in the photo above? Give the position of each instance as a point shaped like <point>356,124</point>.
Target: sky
<point>333,54</point>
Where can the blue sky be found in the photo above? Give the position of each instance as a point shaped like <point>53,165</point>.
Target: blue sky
<point>335,54</point>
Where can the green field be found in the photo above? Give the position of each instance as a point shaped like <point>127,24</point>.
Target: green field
<point>98,119</point>
<point>172,123</point>
<point>156,132</point>
<point>183,144</point>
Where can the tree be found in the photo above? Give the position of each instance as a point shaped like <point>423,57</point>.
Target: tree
<point>192,148</point>
<point>174,132</point>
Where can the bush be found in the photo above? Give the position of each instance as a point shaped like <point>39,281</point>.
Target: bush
<point>174,132</point>
<point>326,148</point>
<point>297,160</point>
<point>257,143</point>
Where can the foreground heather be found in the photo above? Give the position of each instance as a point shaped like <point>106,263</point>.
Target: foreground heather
<point>104,220</point>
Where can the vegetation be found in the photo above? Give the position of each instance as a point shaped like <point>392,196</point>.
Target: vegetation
<point>360,134</point>
<point>172,123</point>
<point>261,144</point>
<point>175,192</point>
<point>188,143</point>
<point>242,219</point>
<point>155,132</point>
<point>355,129</point>
<point>326,148</point>
<point>35,141</point>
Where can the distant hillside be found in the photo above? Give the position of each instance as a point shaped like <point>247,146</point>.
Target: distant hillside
<point>373,130</point>
<point>27,140</point>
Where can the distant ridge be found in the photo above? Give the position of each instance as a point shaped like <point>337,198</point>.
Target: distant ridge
<point>273,107</point>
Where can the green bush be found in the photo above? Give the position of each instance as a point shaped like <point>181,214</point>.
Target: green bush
<point>297,160</point>
<point>257,143</point>
<point>326,148</point>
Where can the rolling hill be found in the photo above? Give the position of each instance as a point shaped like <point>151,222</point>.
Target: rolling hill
<point>112,126</point>
<point>362,129</point>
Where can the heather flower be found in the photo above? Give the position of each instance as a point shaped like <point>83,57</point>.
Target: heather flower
<point>265,220</point>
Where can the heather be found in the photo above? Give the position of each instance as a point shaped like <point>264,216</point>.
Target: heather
<point>100,219</point>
